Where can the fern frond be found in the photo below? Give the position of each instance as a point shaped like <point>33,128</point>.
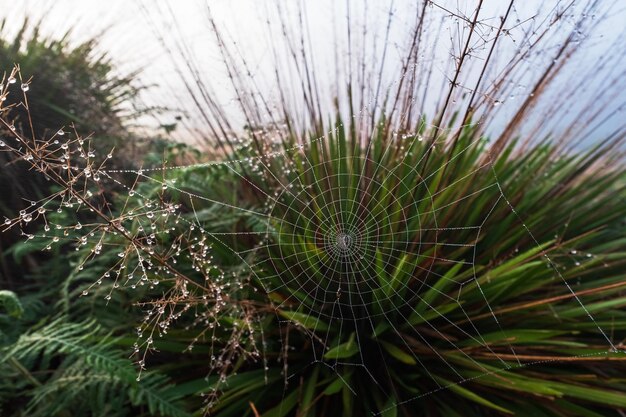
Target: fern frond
<point>93,375</point>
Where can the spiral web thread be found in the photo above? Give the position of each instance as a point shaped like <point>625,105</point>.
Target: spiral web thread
<point>347,247</point>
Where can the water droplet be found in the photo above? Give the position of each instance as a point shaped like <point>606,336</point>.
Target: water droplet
<point>11,80</point>
<point>25,87</point>
<point>60,132</point>
<point>85,292</point>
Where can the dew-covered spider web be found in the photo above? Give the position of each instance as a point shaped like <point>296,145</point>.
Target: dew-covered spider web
<point>360,248</point>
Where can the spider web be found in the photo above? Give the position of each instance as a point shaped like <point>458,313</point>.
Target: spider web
<point>364,249</point>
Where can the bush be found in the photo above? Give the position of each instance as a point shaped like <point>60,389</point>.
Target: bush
<point>76,88</point>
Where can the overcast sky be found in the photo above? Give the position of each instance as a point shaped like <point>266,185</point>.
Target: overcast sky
<point>130,29</point>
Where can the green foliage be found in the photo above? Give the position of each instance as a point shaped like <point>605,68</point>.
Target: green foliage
<point>74,84</point>
<point>11,304</point>
<point>88,376</point>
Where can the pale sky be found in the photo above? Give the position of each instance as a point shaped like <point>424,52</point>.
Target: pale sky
<point>131,27</point>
